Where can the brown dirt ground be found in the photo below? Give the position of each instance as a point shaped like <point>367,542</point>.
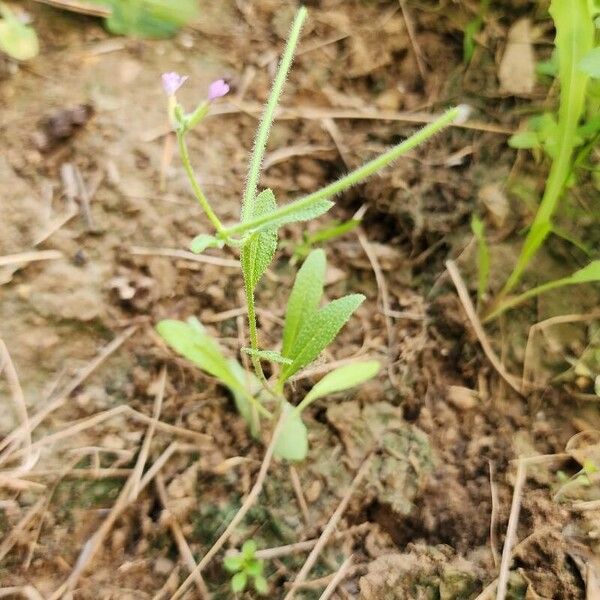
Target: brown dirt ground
<point>426,508</point>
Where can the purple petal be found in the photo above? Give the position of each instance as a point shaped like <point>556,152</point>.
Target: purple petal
<point>217,89</point>
<point>171,82</point>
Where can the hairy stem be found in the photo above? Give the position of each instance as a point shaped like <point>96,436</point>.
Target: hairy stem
<point>352,178</point>
<point>185,159</point>
<point>262,135</point>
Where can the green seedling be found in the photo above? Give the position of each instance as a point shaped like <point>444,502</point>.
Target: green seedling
<point>18,40</point>
<point>246,568</point>
<point>310,323</point>
<point>563,137</point>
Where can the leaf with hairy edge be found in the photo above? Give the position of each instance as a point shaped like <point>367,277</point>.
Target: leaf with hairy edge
<point>190,340</point>
<point>268,355</point>
<point>305,297</point>
<point>483,256</point>
<point>341,379</point>
<point>258,251</point>
<point>317,333</point>
<point>203,241</point>
<point>292,443</point>
<point>308,213</point>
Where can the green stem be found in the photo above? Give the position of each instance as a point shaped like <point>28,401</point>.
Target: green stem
<point>262,135</point>
<point>185,159</point>
<point>354,177</point>
<point>516,300</point>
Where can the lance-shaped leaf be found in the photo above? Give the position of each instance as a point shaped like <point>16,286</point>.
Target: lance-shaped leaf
<point>292,443</point>
<point>271,355</point>
<point>315,334</point>
<point>203,241</point>
<point>306,213</point>
<point>305,297</point>
<point>191,341</point>
<point>259,250</point>
<point>341,379</point>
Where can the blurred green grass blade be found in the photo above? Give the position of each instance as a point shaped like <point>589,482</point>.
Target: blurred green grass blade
<point>589,274</point>
<point>574,40</point>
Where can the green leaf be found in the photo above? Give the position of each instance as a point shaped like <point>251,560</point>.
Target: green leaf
<point>149,18</point>
<point>254,567</point>
<point>590,63</point>
<point>17,40</point>
<point>203,241</point>
<point>233,563</point>
<point>341,379</point>
<point>261,585</point>
<point>238,582</point>
<point>190,340</point>
<point>249,549</point>
<point>304,298</point>
<point>524,140</point>
<point>315,334</point>
<point>471,30</point>
<point>292,443</point>
<point>249,386</point>
<point>483,256</point>
<point>308,213</point>
<point>588,274</point>
<point>268,355</point>
<point>259,250</point>
<point>574,40</point>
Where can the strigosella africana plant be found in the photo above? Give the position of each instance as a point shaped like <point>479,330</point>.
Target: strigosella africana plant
<point>308,327</point>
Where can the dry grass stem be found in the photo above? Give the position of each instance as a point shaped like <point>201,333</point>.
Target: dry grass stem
<point>299,494</point>
<point>528,368</point>
<point>384,298</point>
<point>13,439</point>
<point>337,579</point>
<point>13,537</point>
<point>14,385</point>
<point>182,545</point>
<point>246,506</point>
<point>329,529</point>
<point>289,549</point>
<point>471,313</point>
<point>185,255</point>
<point>28,257</point>
<point>511,531</point>
<point>143,455</point>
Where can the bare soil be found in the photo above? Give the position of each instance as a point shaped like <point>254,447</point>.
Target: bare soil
<point>430,518</point>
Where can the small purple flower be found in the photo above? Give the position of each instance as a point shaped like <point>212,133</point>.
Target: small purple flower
<point>171,82</point>
<point>217,89</point>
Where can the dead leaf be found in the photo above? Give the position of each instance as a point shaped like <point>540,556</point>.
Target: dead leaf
<point>517,67</point>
